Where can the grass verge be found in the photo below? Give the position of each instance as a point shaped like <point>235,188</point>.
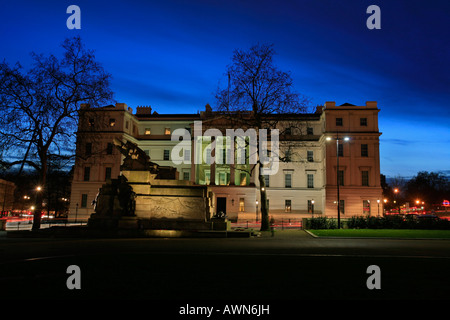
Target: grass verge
<point>383,233</point>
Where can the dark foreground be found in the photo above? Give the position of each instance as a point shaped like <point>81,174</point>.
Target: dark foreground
<point>292,266</point>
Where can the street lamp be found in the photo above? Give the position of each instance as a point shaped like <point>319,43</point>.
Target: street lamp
<point>378,202</point>
<point>337,176</point>
<point>256,210</point>
<point>312,208</point>
<point>396,191</point>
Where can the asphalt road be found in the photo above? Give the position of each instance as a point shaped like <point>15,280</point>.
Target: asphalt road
<point>292,266</point>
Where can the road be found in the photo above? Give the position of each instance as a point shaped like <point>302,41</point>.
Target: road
<point>290,266</point>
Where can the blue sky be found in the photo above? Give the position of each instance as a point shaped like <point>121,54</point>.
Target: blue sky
<point>172,55</point>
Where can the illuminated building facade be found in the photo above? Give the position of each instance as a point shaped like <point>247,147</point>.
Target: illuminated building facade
<point>304,185</point>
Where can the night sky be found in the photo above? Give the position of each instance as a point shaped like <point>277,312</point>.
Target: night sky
<point>172,55</point>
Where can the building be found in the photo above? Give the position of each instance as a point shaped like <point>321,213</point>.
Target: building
<point>7,189</point>
<point>304,185</point>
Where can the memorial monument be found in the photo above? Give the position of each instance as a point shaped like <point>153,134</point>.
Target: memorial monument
<point>147,196</point>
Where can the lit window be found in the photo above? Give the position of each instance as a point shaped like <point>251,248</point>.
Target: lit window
<point>287,205</point>
<point>243,179</point>
<point>167,131</point>
<point>112,122</point>
<point>241,205</point>
<point>366,207</point>
<point>147,131</point>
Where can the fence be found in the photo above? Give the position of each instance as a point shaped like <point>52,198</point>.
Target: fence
<point>280,224</point>
<point>27,224</point>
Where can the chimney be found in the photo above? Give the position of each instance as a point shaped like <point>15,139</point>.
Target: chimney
<point>144,110</point>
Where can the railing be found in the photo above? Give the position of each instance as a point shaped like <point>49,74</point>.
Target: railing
<point>280,224</point>
<point>27,224</point>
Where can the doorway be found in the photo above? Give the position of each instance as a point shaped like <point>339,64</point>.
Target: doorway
<point>221,205</point>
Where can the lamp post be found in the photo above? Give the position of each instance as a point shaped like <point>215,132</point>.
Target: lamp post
<point>256,210</point>
<point>337,176</point>
<point>378,203</point>
<point>312,208</point>
<point>396,191</point>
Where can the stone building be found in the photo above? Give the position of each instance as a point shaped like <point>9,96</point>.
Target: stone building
<point>306,180</point>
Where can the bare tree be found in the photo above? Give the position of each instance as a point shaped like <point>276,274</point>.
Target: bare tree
<point>260,96</point>
<point>40,108</point>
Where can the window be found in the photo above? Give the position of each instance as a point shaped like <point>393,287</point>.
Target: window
<point>364,150</point>
<point>224,156</point>
<point>207,177</point>
<point>309,131</point>
<point>147,152</point>
<point>167,131</point>
<point>87,173</point>
<point>310,206</point>
<point>341,177</point>
<point>363,122</point>
<point>310,180</point>
<point>187,155</point>
<point>222,178</point>
<point>126,124</point>
<point>107,173</point>
<point>310,156</point>
<point>186,175</point>
<point>366,207</point>
<point>340,150</point>
<point>208,156</point>
<point>365,178</point>
<point>84,200</point>
<point>112,122</point>
<point>241,205</point>
<point>91,122</point>
<point>148,131</point>
<point>342,206</point>
<point>243,179</point>
<point>88,149</point>
<point>288,180</point>
<point>109,148</point>
<point>166,155</point>
<point>267,180</point>
<point>287,206</point>
<point>339,122</point>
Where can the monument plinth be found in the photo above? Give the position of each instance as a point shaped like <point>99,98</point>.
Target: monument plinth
<point>149,196</point>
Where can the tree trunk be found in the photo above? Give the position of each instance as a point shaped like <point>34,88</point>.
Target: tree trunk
<point>265,225</point>
<point>39,196</point>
